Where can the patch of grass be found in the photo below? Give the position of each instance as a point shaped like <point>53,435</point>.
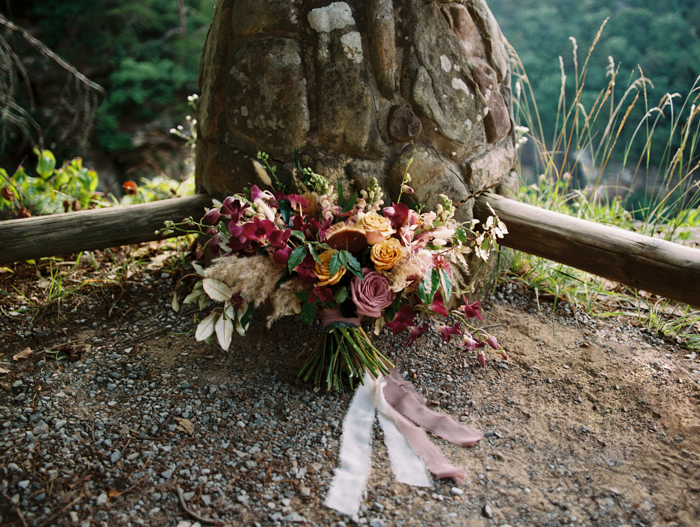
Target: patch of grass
<point>586,173</point>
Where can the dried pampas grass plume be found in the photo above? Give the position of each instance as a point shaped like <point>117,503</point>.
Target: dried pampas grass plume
<point>254,278</point>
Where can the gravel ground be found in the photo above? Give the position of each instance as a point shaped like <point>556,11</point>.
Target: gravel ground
<point>589,423</point>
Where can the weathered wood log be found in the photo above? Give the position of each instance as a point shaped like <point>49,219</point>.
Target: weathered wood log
<point>94,229</point>
<point>657,266</point>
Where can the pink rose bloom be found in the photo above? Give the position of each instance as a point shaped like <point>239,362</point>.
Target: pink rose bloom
<point>372,294</point>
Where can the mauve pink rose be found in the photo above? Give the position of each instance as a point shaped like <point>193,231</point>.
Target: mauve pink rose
<point>372,294</point>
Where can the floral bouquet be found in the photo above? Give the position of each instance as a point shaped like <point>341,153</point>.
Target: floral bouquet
<point>348,260</point>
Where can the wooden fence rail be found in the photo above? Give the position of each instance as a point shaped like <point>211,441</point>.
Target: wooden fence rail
<point>657,266</point>
<point>93,229</point>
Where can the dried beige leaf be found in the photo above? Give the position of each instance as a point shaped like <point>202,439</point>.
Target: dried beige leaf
<point>25,353</point>
<point>4,371</point>
<point>185,425</point>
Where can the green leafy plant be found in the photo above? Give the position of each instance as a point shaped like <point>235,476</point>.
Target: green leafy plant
<point>653,194</point>
<point>50,190</point>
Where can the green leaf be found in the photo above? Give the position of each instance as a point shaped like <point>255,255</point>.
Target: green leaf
<point>45,164</point>
<point>344,258</point>
<point>296,257</point>
<point>435,283</point>
<point>390,311</point>
<point>224,331</point>
<point>446,285</point>
<point>351,203</point>
<point>428,286</point>
<point>312,251</point>
<point>340,194</point>
<point>285,210</point>
<point>245,319</point>
<point>335,263</point>
<point>354,265</point>
<point>198,268</point>
<point>341,295</point>
<point>308,313</point>
<point>206,327</point>
<point>175,304</point>
<point>284,278</point>
<point>303,295</point>
<point>217,290</point>
<point>298,235</point>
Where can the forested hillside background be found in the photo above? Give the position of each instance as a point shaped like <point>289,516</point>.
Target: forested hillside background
<point>657,37</point>
<point>145,55</point>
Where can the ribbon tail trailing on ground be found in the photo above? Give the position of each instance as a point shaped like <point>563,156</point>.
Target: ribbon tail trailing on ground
<point>404,417</point>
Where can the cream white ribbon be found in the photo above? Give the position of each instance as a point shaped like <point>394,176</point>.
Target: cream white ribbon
<point>352,474</point>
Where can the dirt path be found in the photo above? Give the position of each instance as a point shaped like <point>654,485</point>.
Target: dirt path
<point>590,422</point>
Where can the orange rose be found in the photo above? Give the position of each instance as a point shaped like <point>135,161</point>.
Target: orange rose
<point>323,270</point>
<point>385,254</point>
<point>377,227</point>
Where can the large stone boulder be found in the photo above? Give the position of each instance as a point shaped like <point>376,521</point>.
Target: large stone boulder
<point>360,86</point>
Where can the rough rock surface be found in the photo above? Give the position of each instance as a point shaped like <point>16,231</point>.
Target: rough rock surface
<point>359,87</point>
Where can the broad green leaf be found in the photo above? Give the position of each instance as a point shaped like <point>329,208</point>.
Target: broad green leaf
<point>350,204</point>
<point>303,295</point>
<point>45,164</point>
<point>296,257</point>
<point>308,313</point>
<point>206,327</point>
<point>248,316</point>
<point>354,265</point>
<point>340,194</point>
<point>285,209</point>
<point>446,285</point>
<point>298,235</point>
<point>224,331</point>
<point>335,264</point>
<point>312,251</point>
<point>198,269</point>
<point>341,295</point>
<point>284,278</point>
<point>428,286</point>
<point>203,301</point>
<point>217,290</point>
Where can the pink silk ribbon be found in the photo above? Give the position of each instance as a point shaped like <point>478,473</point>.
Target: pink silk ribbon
<point>411,415</point>
<point>329,316</point>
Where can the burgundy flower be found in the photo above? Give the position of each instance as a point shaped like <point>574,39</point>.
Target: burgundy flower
<point>402,320</point>
<point>396,214</point>
<point>471,310</point>
<point>295,200</point>
<point>416,331</point>
<point>323,294</point>
<point>482,359</point>
<point>281,256</point>
<point>437,306</point>
<point>258,230</point>
<point>306,270</point>
<point>371,294</point>
<point>448,331</point>
<point>234,229</point>
<point>471,344</point>
<point>279,238</point>
<point>491,341</point>
<point>211,217</point>
<point>234,208</point>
